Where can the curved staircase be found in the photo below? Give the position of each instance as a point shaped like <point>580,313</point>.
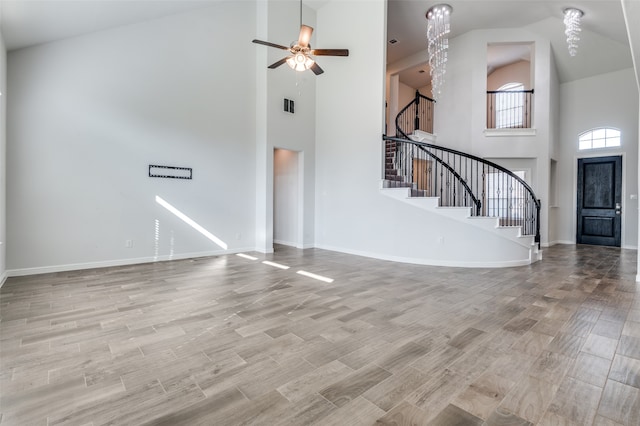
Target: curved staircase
<point>465,188</point>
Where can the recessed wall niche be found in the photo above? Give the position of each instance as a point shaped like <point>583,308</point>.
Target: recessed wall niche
<point>510,85</point>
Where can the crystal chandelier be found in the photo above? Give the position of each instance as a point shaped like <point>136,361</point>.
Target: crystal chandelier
<point>572,28</point>
<point>437,29</point>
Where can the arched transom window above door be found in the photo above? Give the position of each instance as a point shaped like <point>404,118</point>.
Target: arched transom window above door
<point>604,137</point>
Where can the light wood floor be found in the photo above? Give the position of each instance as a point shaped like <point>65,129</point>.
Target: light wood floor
<point>233,341</point>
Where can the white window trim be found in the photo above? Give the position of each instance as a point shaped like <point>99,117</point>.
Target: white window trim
<point>600,148</point>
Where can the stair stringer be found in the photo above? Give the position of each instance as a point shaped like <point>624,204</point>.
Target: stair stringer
<point>463,215</point>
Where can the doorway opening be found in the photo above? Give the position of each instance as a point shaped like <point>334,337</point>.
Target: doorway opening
<point>287,197</point>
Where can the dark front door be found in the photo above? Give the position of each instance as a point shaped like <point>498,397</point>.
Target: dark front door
<point>599,198</point>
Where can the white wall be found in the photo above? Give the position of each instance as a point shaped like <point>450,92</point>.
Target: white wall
<point>518,72</point>
<point>406,95</point>
<point>285,197</point>
<point>3,164</point>
<point>426,91</point>
<point>351,213</point>
<point>89,114</point>
<point>615,105</point>
<point>460,115</point>
<point>631,11</point>
<point>296,131</point>
<point>554,125</point>
<point>348,146</point>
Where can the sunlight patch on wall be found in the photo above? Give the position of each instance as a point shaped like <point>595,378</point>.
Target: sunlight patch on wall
<point>156,245</point>
<point>186,219</point>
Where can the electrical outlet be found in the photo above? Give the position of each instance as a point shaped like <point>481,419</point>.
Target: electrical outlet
<point>128,243</point>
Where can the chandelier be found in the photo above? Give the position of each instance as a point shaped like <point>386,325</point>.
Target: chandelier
<point>572,28</point>
<point>437,29</point>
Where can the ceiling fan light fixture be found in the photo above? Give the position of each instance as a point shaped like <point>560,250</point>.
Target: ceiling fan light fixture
<point>301,59</point>
<point>300,62</point>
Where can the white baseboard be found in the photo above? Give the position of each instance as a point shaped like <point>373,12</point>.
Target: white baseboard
<point>285,243</point>
<point>264,251</point>
<point>553,243</point>
<point>118,262</point>
<point>292,244</point>
<point>3,278</point>
<point>429,262</point>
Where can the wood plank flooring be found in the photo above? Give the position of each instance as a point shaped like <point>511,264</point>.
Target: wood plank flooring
<point>233,341</point>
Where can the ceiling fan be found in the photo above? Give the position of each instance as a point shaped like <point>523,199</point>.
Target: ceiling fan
<point>301,57</point>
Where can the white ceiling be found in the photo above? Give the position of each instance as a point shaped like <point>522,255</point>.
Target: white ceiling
<point>604,46</point>
<point>29,22</point>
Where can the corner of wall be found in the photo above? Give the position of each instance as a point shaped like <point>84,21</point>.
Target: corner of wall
<point>3,151</point>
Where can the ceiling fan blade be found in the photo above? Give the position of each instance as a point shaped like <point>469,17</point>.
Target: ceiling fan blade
<point>266,43</point>
<point>305,35</point>
<point>330,52</point>
<point>316,69</point>
<point>277,64</point>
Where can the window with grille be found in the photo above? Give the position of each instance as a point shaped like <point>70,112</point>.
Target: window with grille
<point>510,106</point>
<point>599,138</point>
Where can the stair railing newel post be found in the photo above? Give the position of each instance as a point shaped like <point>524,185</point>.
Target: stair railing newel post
<point>452,186</point>
<point>416,121</point>
<point>537,238</point>
<point>408,120</point>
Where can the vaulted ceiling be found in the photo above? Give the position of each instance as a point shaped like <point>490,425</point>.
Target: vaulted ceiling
<point>604,46</point>
<point>30,22</point>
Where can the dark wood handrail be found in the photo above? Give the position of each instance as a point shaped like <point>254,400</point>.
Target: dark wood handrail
<point>427,148</point>
<point>510,91</point>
